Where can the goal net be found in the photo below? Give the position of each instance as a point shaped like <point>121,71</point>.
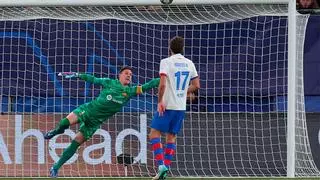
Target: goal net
<point>236,126</point>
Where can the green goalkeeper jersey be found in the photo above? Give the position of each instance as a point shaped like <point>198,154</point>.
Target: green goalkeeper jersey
<point>111,99</point>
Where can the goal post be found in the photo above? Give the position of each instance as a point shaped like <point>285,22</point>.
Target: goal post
<point>248,119</point>
<point>292,63</point>
<point>47,3</point>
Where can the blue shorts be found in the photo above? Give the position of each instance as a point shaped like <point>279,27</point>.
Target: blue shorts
<point>170,122</point>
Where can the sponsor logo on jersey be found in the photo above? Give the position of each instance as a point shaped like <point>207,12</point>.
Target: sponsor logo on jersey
<point>109,97</point>
<point>117,101</point>
<point>180,95</point>
<point>82,112</point>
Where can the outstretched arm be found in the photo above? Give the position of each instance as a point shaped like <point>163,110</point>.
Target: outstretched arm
<point>92,79</point>
<point>136,90</point>
<point>85,77</point>
<point>151,84</point>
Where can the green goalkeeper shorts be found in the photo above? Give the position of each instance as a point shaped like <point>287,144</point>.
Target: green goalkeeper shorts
<point>87,129</point>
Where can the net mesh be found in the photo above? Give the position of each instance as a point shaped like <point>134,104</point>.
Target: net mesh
<point>236,126</point>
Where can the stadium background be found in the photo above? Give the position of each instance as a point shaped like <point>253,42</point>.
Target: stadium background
<point>99,47</point>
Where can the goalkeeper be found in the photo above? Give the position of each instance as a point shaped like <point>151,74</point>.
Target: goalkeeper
<point>115,94</point>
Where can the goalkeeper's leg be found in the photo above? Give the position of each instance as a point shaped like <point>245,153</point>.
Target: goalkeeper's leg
<point>85,133</point>
<point>67,153</point>
<point>64,124</point>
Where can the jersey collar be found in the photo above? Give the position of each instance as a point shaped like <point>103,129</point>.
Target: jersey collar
<point>179,55</point>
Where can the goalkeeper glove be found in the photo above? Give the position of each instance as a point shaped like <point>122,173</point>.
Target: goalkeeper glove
<point>69,75</point>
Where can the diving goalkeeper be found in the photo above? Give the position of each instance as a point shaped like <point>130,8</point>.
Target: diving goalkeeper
<point>114,95</point>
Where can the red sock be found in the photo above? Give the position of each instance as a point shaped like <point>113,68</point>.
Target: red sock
<point>157,150</point>
<point>168,155</point>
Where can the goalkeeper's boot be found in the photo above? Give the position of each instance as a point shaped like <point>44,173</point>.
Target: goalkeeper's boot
<point>162,173</point>
<point>53,172</point>
<point>50,134</point>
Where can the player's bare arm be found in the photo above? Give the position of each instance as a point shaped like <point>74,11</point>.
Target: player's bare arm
<point>161,90</point>
<point>194,85</point>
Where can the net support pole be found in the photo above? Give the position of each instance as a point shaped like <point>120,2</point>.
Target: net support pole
<point>292,90</point>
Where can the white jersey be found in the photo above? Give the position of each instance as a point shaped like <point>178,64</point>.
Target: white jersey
<point>179,71</point>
